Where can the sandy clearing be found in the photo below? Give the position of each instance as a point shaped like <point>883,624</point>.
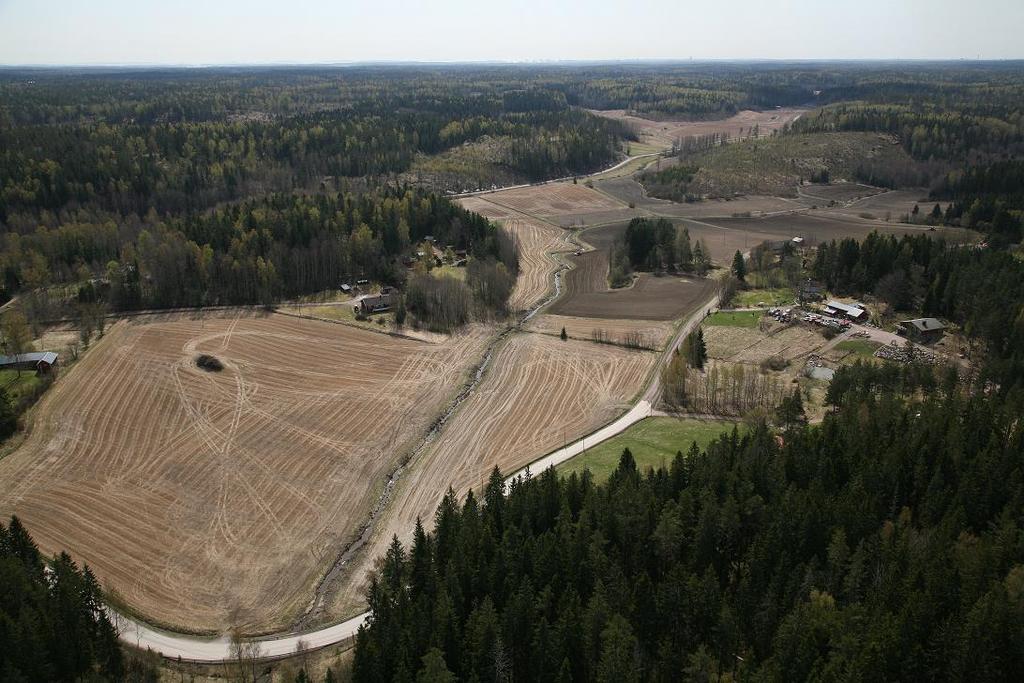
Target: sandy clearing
<point>210,500</point>
<point>664,133</point>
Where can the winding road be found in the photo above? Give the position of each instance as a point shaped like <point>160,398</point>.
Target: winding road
<point>201,649</point>
<point>212,650</point>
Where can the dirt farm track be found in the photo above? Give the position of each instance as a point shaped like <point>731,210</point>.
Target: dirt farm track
<point>210,500</point>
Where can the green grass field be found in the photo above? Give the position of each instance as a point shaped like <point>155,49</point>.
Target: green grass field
<point>653,442</point>
<point>17,386</point>
<point>859,347</point>
<point>781,296</point>
<point>734,318</point>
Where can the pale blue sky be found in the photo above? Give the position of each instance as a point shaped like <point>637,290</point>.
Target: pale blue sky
<point>318,31</point>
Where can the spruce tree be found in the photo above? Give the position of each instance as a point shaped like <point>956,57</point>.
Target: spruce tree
<point>739,266</point>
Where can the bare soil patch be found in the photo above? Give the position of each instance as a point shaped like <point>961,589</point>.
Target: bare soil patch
<point>663,133</point>
<point>586,293</point>
<point>823,226</point>
<point>209,500</point>
<point>555,199</point>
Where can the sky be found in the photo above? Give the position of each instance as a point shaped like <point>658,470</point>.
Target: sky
<point>200,32</point>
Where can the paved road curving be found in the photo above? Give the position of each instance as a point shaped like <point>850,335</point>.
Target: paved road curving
<point>212,650</point>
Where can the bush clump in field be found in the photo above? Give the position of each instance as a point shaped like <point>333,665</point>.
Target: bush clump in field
<point>776,363</point>
<point>209,363</point>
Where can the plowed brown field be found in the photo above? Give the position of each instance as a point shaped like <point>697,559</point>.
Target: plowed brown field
<point>537,241</point>
<point>209,500</point>
<point>540,392</point>
<point>555,199</point>
<point>586,293</point>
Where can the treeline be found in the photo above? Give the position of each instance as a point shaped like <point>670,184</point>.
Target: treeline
<point>174,167</point>
<point>652,244</point>
<point>929,132</point>
<point>53,626</point>
<point>443,304</point>
<point>988,198</point>
<point>672,183</point>
<point>884,544</point>
<point>736,390</point>
<point>980,289</point>
<point>254,251</point>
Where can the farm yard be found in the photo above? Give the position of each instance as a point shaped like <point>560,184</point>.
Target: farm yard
<point>538,394</point>
<point>208,500</point>
<point>751,345</point>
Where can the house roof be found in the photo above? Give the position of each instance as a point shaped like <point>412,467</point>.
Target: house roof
<point>48,357</point>
<point>925,324</point>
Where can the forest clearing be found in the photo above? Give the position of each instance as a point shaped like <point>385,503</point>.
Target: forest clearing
<point>663,134</point>
<point>210,500</point>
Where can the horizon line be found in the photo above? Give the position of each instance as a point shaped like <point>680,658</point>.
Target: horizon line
<point>508,62</point>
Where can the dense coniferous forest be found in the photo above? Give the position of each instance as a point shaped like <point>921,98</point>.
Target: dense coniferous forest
<point>91,159</point>
<point>52,623</point>
<point>820,558</point>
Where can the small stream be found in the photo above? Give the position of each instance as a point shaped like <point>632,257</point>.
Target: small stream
<point>328,584</point>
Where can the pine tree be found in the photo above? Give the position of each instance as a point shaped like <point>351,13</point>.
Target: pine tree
<point>739,266</point>
<point>563,335</point>
<point>695,350</point>
<point>684,250</point>
<point>8,415</point>
<point>434,669</point>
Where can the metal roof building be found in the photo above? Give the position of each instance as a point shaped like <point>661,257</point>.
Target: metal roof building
<point>42,360</point>
<point>850,311</point>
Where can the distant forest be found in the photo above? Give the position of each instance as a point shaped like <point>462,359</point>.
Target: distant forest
<point>254,184</point>
<point>961,126</point>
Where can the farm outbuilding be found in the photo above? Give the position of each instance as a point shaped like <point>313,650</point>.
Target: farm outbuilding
<point>811,291</point>
<point>42,362</point>
<point>853,312</point>
<point>374,303</point>
<point>921,329</point>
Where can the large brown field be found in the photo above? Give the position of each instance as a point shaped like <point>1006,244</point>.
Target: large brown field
<point>555,199</point>
<point>630,191</point>
<point>822,226</point>
<point>586,293</point>
<point>539,393</point>
<point>214,499</point>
